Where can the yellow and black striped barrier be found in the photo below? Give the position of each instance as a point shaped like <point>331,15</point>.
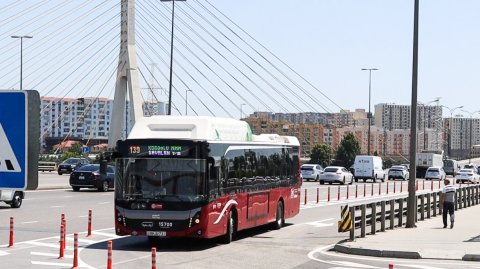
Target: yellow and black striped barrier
<point>345,223</point>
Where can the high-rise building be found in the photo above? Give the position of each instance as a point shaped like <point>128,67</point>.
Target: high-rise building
<point>393,116</point>
<point>85,118</point>
<point>461,134</point>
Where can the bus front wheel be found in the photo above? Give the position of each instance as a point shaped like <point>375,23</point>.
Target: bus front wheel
<point>228,237</point>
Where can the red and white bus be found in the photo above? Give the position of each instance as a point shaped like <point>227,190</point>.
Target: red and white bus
<point>203,177</point>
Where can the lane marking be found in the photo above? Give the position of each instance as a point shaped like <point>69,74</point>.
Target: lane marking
<point>83,240</point>
<point>49,255</point>
<point>83,216</point>
<point>29,222</point>
<point>354,264</point>
<point>104,203</point>
<point>106,234</point>
<point>35,243</point>
<point>421,266</point>
<point>57,206</point>
<point>319,224</point>
<point>3,253</point>
<point>69,265</point>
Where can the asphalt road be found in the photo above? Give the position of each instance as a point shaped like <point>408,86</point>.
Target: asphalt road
<point>303,243</point>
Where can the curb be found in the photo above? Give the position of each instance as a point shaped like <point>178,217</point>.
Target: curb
<point>381,253</point>
<point>471,257</point>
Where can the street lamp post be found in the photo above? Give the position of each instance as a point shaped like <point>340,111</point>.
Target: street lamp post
<point>171,57</point>
<point>241,110</point>
<point>21,56</point>
<point>369,97</point>
<point>186,102</point>
<point>450,128</point>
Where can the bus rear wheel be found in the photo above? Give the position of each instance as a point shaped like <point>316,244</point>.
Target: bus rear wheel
<point>280,217</point>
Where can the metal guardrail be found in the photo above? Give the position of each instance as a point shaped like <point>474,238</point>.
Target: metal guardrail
<point>47,166</point>
<point>391,213</point>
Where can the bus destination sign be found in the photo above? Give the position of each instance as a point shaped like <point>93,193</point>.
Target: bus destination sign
<point>159,150</point>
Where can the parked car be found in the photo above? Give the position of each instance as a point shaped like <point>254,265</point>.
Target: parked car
<point>88,176</point>
<point>467,175</point>
<point>311,171</point>
<point>435,173</point>
<point>398,171</point>
<point>338,174</point>
<point>71,164</point>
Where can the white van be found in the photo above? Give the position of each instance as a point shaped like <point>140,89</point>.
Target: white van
<point>368,167</point>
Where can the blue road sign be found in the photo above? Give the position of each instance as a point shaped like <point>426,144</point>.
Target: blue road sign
<point>13,140</point>
<point>85,150</point>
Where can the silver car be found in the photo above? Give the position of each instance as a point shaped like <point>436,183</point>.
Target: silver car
<point>398,171</point>
<point>311,171</point>
<point>435,173</point>
<point>338,174</point>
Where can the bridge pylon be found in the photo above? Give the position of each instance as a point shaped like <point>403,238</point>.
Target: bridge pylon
<point>127,79</point>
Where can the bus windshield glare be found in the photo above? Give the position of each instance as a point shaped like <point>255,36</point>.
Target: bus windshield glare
<point>160,179</point>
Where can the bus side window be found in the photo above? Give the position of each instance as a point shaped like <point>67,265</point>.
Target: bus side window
<point>213,181</point>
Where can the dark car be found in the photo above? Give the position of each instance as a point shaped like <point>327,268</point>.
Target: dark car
<point>71,164</point>
<point>88,176</point>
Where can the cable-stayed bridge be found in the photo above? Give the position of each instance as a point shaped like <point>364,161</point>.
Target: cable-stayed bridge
<point>76,52</point>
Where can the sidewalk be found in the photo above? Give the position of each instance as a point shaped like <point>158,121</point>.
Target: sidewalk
<point>429,240</point>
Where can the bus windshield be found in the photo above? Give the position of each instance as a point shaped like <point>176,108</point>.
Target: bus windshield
<point>160,179</point>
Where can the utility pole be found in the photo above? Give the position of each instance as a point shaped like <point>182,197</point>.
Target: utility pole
<point>369,116</point>
<point>411,203</point>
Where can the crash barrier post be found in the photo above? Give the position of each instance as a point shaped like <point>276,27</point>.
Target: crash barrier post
<point>345,222</point>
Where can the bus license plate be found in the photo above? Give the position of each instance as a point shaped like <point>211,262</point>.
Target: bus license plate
<point>156,233</point>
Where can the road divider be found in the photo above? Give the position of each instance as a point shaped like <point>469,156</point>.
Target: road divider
<point>154,258</point>
<point>109,254</point>
<point>62,245</point>
<point>89,228</point>
<point>11,239</point>
<point>75,251</point>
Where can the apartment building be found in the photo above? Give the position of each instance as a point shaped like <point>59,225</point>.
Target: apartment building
<point>82,118</point>
<point>461,133</point>
<point>393,116</point>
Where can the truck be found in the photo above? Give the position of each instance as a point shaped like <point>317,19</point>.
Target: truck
<point>427,159</point>
<point>368,167</point>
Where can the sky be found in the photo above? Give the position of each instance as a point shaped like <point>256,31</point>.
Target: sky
<point>326,42</point>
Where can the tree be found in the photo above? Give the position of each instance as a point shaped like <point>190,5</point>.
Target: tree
<point>347,150</point>
<point>321,154</point>
<point>73,152</point>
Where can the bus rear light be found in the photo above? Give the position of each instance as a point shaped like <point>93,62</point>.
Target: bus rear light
<point>197,221</point>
